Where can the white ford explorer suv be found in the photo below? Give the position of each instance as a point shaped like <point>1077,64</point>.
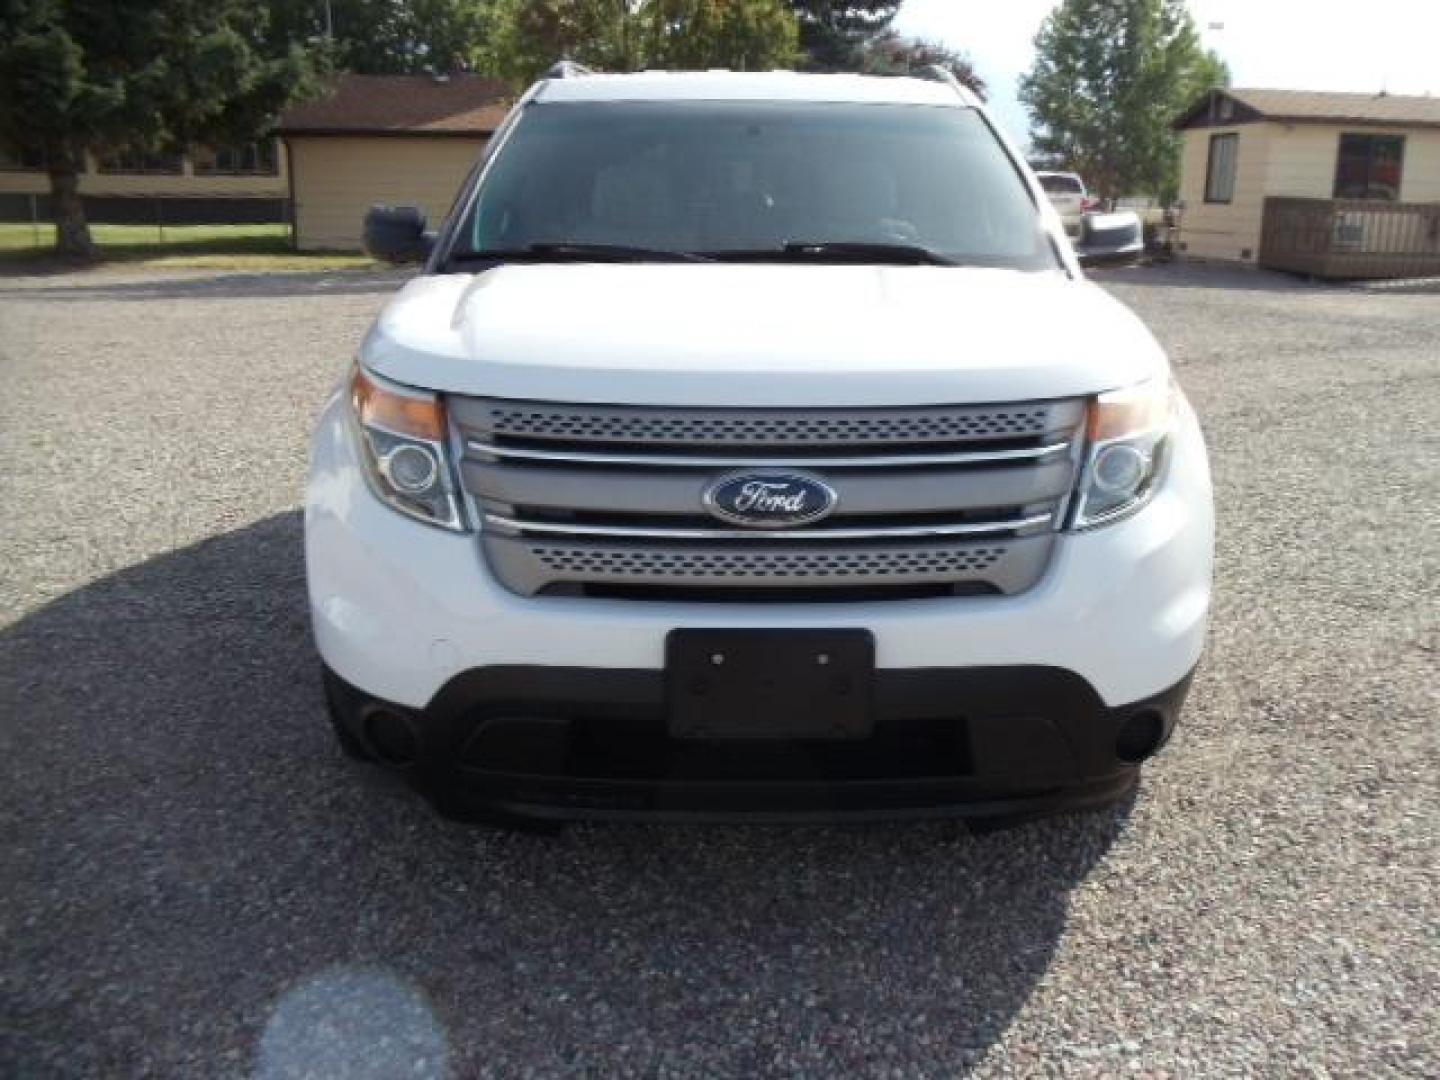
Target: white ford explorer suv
<point>752,446</point>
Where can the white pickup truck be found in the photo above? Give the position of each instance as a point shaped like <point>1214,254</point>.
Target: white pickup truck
<point>1066,192</point>
<point>752,446</point>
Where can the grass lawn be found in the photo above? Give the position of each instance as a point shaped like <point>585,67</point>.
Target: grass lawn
<point>211,247</point>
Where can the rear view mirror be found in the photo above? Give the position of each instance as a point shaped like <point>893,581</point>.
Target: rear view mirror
<point>396,234</point>
<point>1111,239</point>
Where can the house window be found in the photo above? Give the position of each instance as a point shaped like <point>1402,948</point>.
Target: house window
<point>248,159</point>
<point>1369,167</point>
<point>1220,169</point>
<point>136,163</point>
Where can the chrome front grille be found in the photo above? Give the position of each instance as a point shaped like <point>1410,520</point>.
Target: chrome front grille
<point>579,497</point>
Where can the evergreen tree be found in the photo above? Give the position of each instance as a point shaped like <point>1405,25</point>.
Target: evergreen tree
<point>834,33</point>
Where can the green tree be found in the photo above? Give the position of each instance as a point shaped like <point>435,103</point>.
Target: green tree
<point>78,75</point>
<point>744,35</point>
<point>616,35</point>
<point>1210,72</point>
<point>891,54</point>
<point>385,37</point>
<point>530,35</point>
<point>834,33</point>
<point>1109,77</point>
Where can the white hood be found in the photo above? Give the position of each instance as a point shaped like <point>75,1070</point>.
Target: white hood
<point>759,335</point>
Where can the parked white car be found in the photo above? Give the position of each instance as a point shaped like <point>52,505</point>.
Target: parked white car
<point>720,464</point>
<point>1066,192</point>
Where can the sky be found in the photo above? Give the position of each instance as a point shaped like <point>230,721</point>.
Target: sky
<point>1293,44</point>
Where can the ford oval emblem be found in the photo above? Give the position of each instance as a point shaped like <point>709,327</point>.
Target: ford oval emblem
<point>770,500</point>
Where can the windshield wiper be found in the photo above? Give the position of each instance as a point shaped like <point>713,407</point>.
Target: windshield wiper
<point>859,251</point>
<point>848,251</point>
<point>566,251</point>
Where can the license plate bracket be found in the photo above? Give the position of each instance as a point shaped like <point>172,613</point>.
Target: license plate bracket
<point>770,684</point>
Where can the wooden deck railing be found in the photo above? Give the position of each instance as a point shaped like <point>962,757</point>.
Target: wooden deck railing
<point>1350,238</point>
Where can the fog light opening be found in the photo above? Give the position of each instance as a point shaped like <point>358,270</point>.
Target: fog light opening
<point>1140,736</point>
<point>390,735</point>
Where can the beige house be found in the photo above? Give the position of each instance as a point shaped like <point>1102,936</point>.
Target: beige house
<point>202,185</point>
<point>397,139</point>
<point>1315,173</point>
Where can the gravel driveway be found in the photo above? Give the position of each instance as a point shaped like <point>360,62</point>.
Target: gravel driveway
<point>196,883</point>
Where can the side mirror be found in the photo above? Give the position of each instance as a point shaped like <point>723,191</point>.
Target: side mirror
<point>1115,239</point>
<point>396,234</point>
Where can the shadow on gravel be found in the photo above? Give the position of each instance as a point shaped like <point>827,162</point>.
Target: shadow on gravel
<point>197,883</point>
<point>172,286</point>
<point>1190,275</point>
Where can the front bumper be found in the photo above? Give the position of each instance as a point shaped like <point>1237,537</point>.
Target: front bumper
<point>401,609</point>
<point>559,743</point>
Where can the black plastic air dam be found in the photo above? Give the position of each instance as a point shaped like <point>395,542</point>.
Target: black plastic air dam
<point>575,743</point>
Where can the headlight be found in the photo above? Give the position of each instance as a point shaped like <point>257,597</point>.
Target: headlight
<point>402,436</point>
<point>1128,439</point>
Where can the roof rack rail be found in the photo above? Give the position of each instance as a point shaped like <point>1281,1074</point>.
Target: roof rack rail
<point>567,69</point>
<point>941,74</point>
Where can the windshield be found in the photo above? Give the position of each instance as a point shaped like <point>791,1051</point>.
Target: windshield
<point>729,178</point>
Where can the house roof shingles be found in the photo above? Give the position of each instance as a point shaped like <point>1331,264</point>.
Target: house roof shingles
<point>1306,106</point>
<point>424,105</point>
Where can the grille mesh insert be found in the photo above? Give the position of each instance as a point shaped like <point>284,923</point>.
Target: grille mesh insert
<point>684,427</point>
<point>1005,566</point>
<point>600,563</point>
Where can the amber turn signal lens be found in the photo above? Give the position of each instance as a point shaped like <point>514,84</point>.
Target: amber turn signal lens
<point>1135,410</point>
<point>375,406</point>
